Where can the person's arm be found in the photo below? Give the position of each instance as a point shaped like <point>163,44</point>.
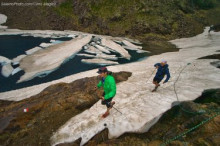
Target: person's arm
<point>99,84</point>
<point>112,89</point>
<point>168,75</point>
<point>156,65</point>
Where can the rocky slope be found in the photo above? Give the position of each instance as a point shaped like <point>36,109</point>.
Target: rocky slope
<point>48,111</point>
<point>152,22</point>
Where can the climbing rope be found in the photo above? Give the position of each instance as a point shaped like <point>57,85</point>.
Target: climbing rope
<point>200,112</point>
<point>151,75</point>
<point>190,130</point>
<point>177,80</point>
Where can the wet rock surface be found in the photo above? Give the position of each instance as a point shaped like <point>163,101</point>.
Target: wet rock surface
<point>214,56</point>
<point>216,64</point>
<point>48,110</point>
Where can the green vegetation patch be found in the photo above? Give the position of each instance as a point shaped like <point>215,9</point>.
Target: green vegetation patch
<point>65,9</point>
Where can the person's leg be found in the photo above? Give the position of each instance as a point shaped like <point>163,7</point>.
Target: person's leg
<point>103,102</point>
<point>109,105</point>
<point>156,81</point>
<point>108,109</point>
<point>106,113</point>
<point>157,84</point>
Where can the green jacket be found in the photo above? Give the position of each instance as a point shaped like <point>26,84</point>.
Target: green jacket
<point>109,86</point>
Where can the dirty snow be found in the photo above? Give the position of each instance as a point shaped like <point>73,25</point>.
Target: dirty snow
<point>99,61</point>
<point>140,107</point>
<point>51,58</point>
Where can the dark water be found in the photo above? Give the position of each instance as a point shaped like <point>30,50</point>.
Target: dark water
<point>13,45</point>
<point>71,67</point>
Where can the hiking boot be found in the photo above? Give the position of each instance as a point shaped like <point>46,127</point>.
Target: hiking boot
<point>112,103</point>
<point>155,89</point>
<point>105,114</point>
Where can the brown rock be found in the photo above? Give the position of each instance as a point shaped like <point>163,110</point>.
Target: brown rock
<point>155,143</point>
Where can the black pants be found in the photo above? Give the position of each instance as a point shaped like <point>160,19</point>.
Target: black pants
<point>158,80</point>
<point>107,102</point>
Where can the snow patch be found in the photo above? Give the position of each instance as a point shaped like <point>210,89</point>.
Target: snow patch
<point>45,45</point>
<point>16,70</point>
<point>16,60</point>
<point>111,44</point>
<point>103,49</point>
<point>92,50</point>
<point>46,61</point>
<point>135,41</point>
<point>85,55</point>
<point>3,19</point>
<point>57,42</point>
<point>72,36</point>
<point>101,55</point>
<point>4,60</point>
<point>99,61</point>
<point>33,50</point>
<point>109,57</point>
<point>127,43</point>
<point>7,70</point>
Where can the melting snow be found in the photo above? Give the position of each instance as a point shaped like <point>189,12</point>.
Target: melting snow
<point>111,44</point>
<point>3,19</point>
<point>99,61</point>
<point>4,60</point>
<point>51,58</point>
<point>7,70</point>
<point>33,50</point>
<point>139,106</point>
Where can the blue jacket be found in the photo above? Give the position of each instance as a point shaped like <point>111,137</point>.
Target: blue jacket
<point>162,71</point>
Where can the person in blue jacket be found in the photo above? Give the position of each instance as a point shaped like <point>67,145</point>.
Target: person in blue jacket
<point>162,70</point>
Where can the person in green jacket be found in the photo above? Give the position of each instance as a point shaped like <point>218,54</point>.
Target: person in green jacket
<point>109,85</point>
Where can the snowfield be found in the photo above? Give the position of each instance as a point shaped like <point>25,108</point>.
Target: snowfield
<point>139,106</point>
